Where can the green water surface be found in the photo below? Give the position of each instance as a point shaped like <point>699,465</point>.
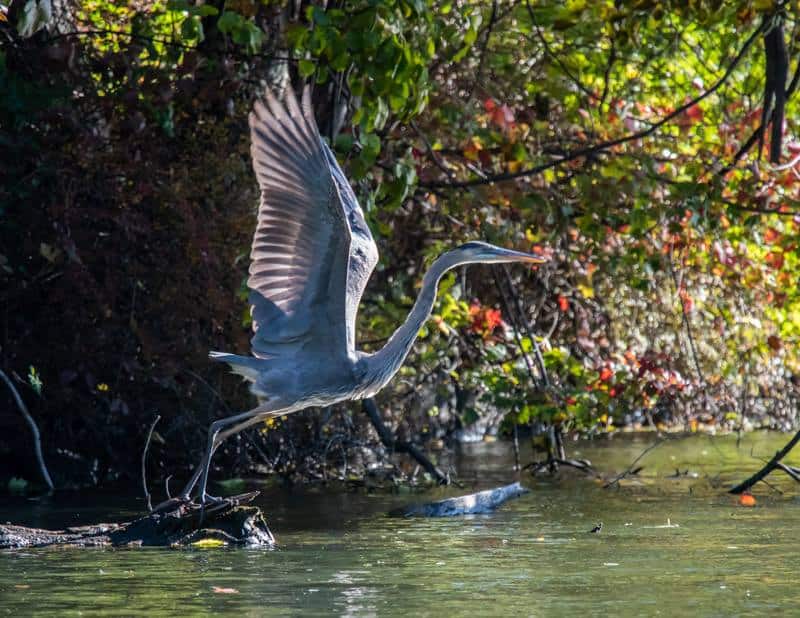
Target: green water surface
<point>340,555</point>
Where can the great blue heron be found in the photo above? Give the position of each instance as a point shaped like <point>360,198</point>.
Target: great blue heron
<point>311,257</point>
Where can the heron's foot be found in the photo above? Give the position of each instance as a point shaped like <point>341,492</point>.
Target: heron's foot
<point>207,500</point>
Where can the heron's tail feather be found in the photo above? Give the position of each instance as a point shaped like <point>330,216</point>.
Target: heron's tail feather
<point>245,366</point>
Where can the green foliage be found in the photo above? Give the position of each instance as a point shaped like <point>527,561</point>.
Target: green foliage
<point>242,31</point>
<point>34,380</point>
<point>544,126</point>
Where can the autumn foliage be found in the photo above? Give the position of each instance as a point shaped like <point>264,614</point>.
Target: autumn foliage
<point>625,142</point>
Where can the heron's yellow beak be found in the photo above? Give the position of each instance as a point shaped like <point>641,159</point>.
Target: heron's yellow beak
<point>498,254</point>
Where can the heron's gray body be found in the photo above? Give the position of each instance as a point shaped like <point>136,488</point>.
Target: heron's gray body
<point>311,258</point>
<point>286,380</point>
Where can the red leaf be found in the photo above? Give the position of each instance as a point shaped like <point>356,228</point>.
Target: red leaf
<point>502,117</point>
<point>695,113</point>
<point>606,374</point>
<point>687,301</point>
<point>774,260</point>
<point>563,303</point>
<point>492,318</point>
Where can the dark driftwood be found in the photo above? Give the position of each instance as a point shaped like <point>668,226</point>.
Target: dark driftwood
<point>771,465</point>
<point>174,524</point>
<point>390,442</point>
<point>481,502</point>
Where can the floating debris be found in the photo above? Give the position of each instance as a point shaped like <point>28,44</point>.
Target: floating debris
<point>669,524</point>
<point>481,502</point>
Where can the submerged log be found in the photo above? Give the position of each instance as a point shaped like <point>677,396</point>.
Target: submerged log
<point>173,524</point>
<point>481,502</point>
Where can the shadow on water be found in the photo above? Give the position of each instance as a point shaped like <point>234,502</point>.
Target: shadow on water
<point>340,555</point>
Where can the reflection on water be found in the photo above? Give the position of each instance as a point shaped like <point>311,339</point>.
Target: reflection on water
<point>340,555</point>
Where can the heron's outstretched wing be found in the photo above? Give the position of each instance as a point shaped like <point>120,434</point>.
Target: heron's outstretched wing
<point>312,251</point>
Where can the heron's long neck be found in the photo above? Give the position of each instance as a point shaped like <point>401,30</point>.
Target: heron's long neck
<point>385,363</point>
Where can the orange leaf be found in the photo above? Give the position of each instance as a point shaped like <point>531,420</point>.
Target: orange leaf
<point>492,318</point>
<point>747,500</point>
<point>563,303</point>
<point>606,374</point>
<point>771,235</point>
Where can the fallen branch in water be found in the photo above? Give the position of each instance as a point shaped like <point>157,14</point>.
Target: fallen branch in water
<point>472,504</point>
<point>37,441</point>
<point>175,523</point>
<point>771,465</point>
<point>632,469</point>
<point>552,463</point>
<point>390,442</point>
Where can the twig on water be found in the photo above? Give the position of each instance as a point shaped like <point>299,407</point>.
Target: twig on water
<point>37,441</point>
<point>144,460</point>
<point>630,468</point>
<point>552,463</point>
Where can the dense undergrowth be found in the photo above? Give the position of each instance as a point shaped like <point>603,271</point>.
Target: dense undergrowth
<point>635,144</point>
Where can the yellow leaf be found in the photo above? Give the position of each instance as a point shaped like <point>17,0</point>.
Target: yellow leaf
<point>206,543</point>
<point>586,290</point>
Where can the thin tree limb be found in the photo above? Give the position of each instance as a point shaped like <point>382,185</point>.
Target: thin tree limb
<point>524,319</point>
<point>549,52</point>
<point>487,34</point>
<point>539,381</point>
<point>390,442</point>
<point>768,467</point>
<point>630,468</point>
<point>603,146</point>
<point>37,441</point>
<point>759,131</point>
<point>793,472</point>
<point>144,461</point>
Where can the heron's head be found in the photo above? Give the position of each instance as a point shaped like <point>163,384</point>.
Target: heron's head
<point>484,253</point>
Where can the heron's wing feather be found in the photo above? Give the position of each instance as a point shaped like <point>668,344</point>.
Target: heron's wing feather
<point>363,251</point>
<point>301,248</point>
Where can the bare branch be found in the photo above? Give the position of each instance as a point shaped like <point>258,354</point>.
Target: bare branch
<point>549,52</point>
<point>37,441</point>
<point>390,442</point>
<point>771,465</point>
<point>144,461</point>
<point>604,146</point>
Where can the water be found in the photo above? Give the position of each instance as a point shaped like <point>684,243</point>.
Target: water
<point>340,555</point>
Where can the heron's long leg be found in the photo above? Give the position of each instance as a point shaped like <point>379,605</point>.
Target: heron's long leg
<point>215,437</point>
